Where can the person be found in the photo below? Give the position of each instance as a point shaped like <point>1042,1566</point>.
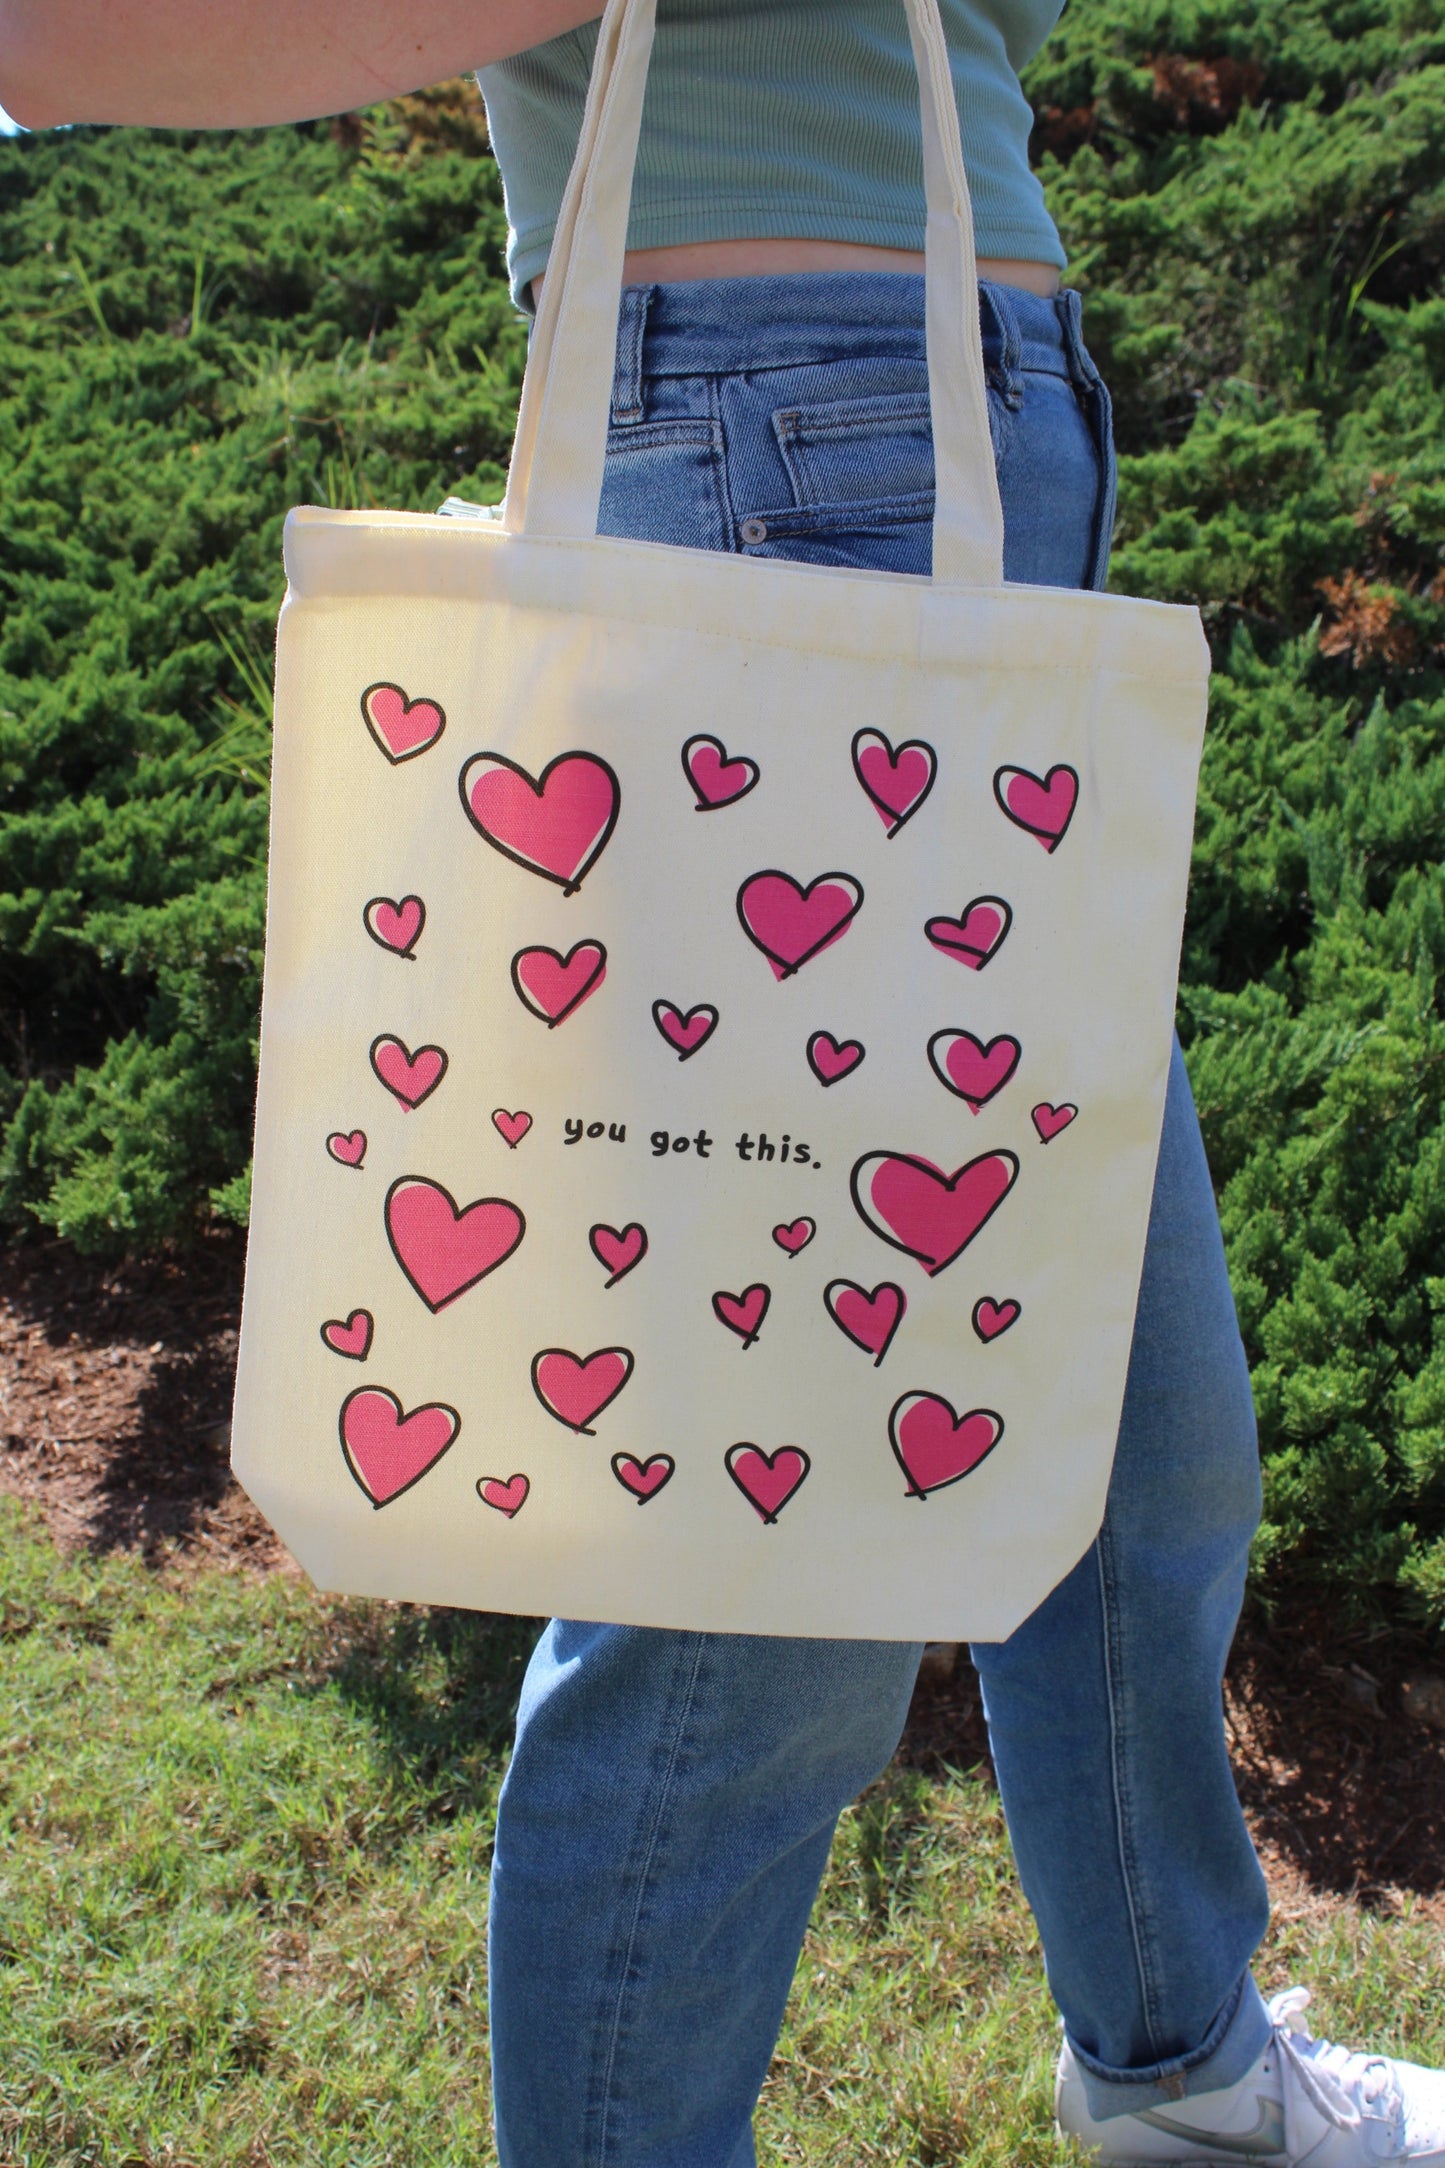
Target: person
<point>672,1796</point>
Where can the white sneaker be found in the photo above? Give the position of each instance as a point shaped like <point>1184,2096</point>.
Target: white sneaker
<point>1304,2102</point>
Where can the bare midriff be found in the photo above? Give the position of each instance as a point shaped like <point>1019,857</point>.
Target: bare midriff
<point>781,258</point>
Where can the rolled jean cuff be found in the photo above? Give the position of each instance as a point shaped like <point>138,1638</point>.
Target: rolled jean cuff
<point>1236,2039</point>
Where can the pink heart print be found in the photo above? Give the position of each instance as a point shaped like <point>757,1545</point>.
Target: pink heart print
<point>508,1498</point>
<point>557,824</point>
<point>975,1072</point>
<point>991,1318</point>
<point>744,1313</point>
<point>511,1127</point>
<point>644,1478</point>
<point>401,727</point>
<point>767,1480</point>
<point>831,1059</point>
<point>552,985</point>
<point>347,1146</point>
<point>931,1215</point>
<point>576,1388</point>
<point>349,1336</point>
<point>395,926</point>
<point>685,1033</point>
<point>795,1235</point>
<point>409,1077</point>
<point>868,1319</point>
<point>444,1248</point>
<point>388,1451</point>
<point>897,782</point>
<point>933,1446</point>
<point>976,934</point>
<point>717,780</point>
<point>790,923</point>
<point>1048,1121</point>
<point>618,1248</point>
<point>1044,805</point>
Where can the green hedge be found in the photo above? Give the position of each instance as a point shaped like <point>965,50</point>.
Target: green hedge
<point>203,330</point>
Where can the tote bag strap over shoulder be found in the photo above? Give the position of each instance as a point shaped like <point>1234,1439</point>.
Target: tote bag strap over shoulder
<point>554,487</point>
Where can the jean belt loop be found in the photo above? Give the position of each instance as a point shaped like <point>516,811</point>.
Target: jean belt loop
<point>1071,321</point>
<point>631,329</point>
<point>1005,373</point>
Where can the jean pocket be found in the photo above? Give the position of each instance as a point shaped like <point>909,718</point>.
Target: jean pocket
<point>856,451</point>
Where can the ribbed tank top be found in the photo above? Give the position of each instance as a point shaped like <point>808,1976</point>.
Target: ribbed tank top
<point>782,118</point>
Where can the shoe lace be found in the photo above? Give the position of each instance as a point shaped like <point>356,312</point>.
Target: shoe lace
<point>1345,2087</point>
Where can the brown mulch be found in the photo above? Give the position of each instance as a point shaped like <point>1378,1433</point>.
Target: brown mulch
<point>115,1392</point>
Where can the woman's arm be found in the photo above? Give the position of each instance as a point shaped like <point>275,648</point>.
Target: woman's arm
<point>247,63</point>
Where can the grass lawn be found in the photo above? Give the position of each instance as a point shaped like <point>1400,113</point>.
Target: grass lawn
<point>244,1834</point>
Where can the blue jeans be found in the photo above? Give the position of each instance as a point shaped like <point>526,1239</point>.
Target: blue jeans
<point>672,1796</point>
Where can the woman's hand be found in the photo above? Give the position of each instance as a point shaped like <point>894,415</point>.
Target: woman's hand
<point>247,63</point>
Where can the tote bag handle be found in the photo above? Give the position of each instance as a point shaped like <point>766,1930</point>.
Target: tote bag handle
<point>554,485</point>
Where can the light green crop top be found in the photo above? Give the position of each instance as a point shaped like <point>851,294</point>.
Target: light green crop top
<point>791,118</point>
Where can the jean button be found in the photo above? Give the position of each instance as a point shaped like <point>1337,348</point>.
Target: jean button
<point>754,530</point>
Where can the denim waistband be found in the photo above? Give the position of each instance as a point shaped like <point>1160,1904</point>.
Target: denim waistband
<point>709,327</point>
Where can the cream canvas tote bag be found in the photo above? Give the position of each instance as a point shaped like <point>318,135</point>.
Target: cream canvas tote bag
<point>716,1021</point>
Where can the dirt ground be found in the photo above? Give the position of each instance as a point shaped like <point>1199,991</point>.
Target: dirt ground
<point>114,1398</point>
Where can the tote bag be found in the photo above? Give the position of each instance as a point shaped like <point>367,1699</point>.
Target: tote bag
<point>716,1021</point>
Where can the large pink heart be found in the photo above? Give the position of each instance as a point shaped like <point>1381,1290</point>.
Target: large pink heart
<point>557,824</point>
<point>408,1077</point>
<point>576,1388</point>
<point>933,1446</point>
<point>444,1248</point>
<point>1044,805</point>
<point>767,1480</point>
<point>552,985</point>
<point>869,1320</point>
<point>387,1451</point>
<point>401,727</point>
<point>976,934</point>
<point>897,782</point>
<point>618,1248</point>
<point>644,1478</point>
<point>977,1073</point>
<point>744,1313</point>
<point>717,780</point>
<point>916,1207</point>
<point>395,926</point>
<point>790,923</point>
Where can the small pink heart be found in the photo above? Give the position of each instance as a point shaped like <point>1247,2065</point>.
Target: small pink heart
<point>395,926</point>
<point>897,782</point>
<point>401,727</point>
<point>767,1480</point>
<point>387,1451</point>
<point>830,1058</point>
<point>557,824</point>
<point>976,934</point>
<point>618,1248</point>
<point>795,1235</point>
<point>744,1313</point>
<point>1048,1121</point>
<point>790,923</point>
<point>347,1146</point>
<point>644,1478</point>
<point>869,1320</point>
<point>686,1033</point>
<point>552,985</point>
<point>442,1247</point>
<point>990,1318</point>
<point>409,1077</point>
<point>349,1336</point>
<point>977,1073</point>
<point>508,1497</point>
<point>717,780</point>
<point>933,1446</point>
<point>513,1127</point>
<point>576,1388</point>
<point>1043,805</point>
